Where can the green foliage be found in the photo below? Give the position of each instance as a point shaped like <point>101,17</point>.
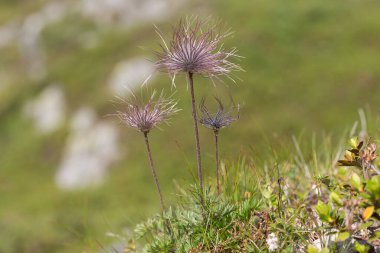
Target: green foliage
<point>353,212</point>
<point>238,220</point>
<point>218,223</point>
<point>251,211</point>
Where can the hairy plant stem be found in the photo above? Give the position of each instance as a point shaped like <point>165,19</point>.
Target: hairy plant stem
<point>195,119</point>
<point>216,134</point>
<point>154,170</point>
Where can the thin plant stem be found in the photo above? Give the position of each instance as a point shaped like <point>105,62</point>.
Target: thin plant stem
<point>195,119</point>
<point>216,134</point>
<point>279,182</point>
<point>365,172</point>
<point>154,170</point>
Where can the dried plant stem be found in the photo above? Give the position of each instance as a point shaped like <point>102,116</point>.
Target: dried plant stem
<point>195,119</point>
<point>154,170</point>
<point>216,134</point>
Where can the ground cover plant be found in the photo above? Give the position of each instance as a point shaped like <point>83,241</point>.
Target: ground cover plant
<point>274,207</point>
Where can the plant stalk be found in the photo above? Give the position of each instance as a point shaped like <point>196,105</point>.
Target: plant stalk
<point>195,119</point>
<point>154,170</point>
<point>365,172</point>
<point>216,133</point>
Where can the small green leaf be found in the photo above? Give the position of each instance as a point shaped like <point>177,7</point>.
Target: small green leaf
<point>311,249</point>
<point>336,198</point>
<point>323,211</point>
<point>356,182</point>
<point>354,142</point>
<point>361,248</point>
<point>266,193</point>
<point>373,186</point>
<point>343,236</point>
<point>342,171</point>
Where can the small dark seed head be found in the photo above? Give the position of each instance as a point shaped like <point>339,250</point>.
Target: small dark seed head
<point>221,118</point>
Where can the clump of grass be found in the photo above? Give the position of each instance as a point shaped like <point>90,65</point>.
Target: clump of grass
<point>333,211</point>
<point>216,121</point>
<point>144,117</point>
<point>196,49</point>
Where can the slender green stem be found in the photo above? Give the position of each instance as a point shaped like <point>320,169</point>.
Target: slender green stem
<point>195,119</point>
<point>216,133</point>
<point>154,170</point>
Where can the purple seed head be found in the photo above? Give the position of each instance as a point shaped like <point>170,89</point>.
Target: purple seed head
<point>148,115</point>
<point>196,47</point>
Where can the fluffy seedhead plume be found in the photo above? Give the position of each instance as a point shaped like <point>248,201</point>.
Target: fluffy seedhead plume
<point>221,118</point>
<point>146,116</point>
<point>196,47</point>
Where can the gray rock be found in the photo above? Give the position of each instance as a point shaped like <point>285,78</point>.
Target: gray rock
<point>129,74</point>
<point>47,110</point>
<point>90,149</point>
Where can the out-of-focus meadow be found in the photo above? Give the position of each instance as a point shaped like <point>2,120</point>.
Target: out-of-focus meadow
<point>309,66</point>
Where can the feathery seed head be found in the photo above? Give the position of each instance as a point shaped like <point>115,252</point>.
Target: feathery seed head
<point>196,48</point>
<point>146,116</point>
<point>222,118</point>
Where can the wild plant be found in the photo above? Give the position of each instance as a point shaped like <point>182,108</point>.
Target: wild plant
<point>216,121</point>
<point>145,117</point>
<point>196,49</point>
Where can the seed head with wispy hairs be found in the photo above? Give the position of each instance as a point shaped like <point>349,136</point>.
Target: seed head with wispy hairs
<point>196,47</point>
<point>146,116</point>
<point>221,118</point>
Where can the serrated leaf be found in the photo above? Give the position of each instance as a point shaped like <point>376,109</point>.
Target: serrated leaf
<point>368,212</point>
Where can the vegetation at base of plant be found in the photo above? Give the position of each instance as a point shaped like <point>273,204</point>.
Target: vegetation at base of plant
<point>261,210</point>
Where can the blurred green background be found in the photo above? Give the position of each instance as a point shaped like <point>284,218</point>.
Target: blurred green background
<point>309,66</point>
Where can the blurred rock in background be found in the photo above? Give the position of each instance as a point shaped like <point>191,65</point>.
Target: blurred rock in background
<point>91,147</point>
<point>48,109</point>
<point>128,13</point>
<point>130,74</point>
